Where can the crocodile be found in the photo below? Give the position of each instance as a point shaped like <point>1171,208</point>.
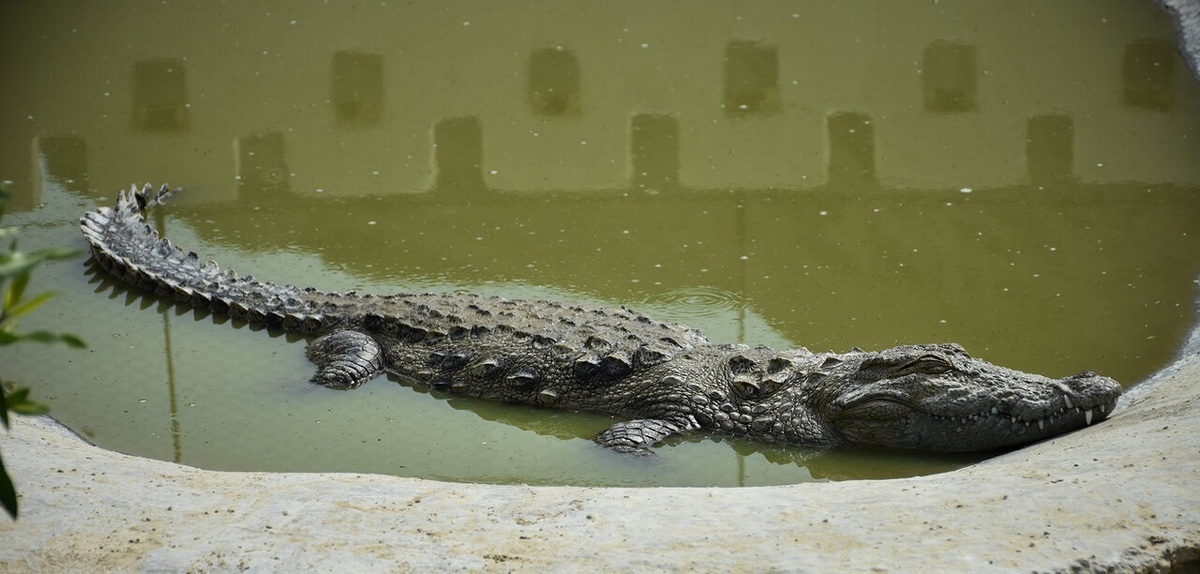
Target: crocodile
<point>660,379</point>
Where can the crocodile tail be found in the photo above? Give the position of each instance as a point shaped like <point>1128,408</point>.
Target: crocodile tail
<point>127,247</point>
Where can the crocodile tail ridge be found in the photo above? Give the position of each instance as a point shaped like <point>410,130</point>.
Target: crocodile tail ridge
<point>125,245</point>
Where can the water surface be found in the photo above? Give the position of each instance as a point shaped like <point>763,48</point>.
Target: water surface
<point>1020,179</point>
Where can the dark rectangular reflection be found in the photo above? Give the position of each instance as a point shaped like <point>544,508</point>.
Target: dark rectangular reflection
<point>358,95</point>
<point>262,167</point>
<point>458,154</point>
<point>1050,148</point>
<point>1148,74</point>
<point>950,76</point>
<point>160,98</point>
<point>851,149</point>
<point>654,152</point>
<point>554,82</point>
<point>62,160</point>
<point>751,79</point>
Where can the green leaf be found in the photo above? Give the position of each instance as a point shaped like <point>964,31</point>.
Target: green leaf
<point>18,308</point>
<point>15,292</point>
<point>72,340</point>
<point>8,493</point>
<point>18,402</point>
<point>3,406</point>
<point>42,337</point>
<point>49,253</point>
<point>18,264</point>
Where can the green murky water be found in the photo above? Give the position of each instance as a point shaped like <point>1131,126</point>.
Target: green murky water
<point>1020,179</point>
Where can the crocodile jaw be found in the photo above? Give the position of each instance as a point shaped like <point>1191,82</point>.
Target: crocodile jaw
<point>941,413</point>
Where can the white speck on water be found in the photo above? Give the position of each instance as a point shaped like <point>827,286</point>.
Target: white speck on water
<point>965,190</point>
<point>372,222</point>
<point>493,172</point>
<point>141,400</point>
<point>744,258</point>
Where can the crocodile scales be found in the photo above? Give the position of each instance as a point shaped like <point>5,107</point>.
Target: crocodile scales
<point>663,379</point>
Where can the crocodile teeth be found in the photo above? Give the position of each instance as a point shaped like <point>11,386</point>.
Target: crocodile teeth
<point>1087,416</point>
<point>1067,400</point>
<point>1041,424</point>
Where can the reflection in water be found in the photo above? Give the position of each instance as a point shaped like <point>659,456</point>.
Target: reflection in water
<point>851,150</point>
<point>1050,148</point>
<point>160,95</point>
<point>62,161</point>
<point>751,79</point>
<point>1148,74</point>
<point>358,95</point>
<point>654,152</point>
<point>950,74</point>
<point>458,155</point>
<point>554,82</point>
<point>262,169</point>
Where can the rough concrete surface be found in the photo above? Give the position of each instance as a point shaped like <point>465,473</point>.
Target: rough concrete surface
<point>1121,496</point>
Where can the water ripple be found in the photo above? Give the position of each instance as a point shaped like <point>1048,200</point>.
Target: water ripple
<point>698,302</point>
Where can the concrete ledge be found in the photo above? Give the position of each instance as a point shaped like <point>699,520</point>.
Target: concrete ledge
<point>1118,497</point>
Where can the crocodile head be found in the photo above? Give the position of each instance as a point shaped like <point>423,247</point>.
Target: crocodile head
<point>937,397</point>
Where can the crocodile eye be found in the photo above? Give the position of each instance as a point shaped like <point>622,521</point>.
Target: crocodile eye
<point>927,364</point>
<point>748,389</point>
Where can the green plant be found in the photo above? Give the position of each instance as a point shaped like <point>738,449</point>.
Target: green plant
<point>15,269</point>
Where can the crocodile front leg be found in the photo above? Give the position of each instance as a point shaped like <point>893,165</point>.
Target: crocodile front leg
<point>638,435</point>
<point>345,359</point>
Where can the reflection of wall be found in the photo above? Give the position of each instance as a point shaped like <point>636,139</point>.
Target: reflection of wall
<point>357,86</point>
<point>608,96</point>
<point>160,95</point>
